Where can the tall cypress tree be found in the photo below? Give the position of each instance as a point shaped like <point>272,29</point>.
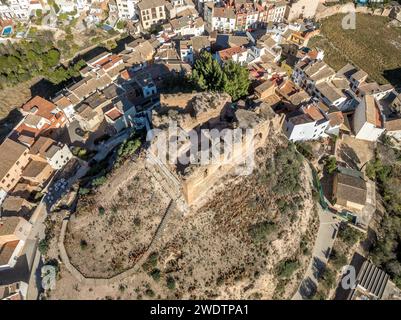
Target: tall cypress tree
<point>207,73</point>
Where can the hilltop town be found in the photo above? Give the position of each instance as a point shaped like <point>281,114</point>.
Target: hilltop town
<point>194,149</point>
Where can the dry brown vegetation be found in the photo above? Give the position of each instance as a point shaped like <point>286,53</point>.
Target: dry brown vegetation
<point>373,46</point>
<point>114,227</point>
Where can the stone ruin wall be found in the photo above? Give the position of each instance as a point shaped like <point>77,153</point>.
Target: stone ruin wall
<point>203,178</point>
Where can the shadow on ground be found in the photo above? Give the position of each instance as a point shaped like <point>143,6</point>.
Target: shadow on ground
<point>8,123</point>
<point>308,288</point>
<point>393,76</point>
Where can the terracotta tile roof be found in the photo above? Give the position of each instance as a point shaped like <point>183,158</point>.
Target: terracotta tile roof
<point>336,118</point>
<point>114,114</point>
<point>125,75</point>
<point>350,188</point>
<point>314,112</point>
<point>24,130</point>
<point>40,107</point>
<point>109,62</point>
<point>227,13</point>
<point>359,75</point>
<point>228,53</point>
<point>62,102</point>
<point>265,86</point>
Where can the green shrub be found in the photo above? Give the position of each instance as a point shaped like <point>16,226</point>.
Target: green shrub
<point>349,235</point>
<point>43,246</point>
<point>121,24</point>
<point>99,181</point>
<point>150,293</point>
<point>102,211</point>
<point>155,274</point>
<point>83,191</point>
<point>151,262</point>
<point>260,231</point>
<point>83,244</point>
<point>170,283</point>
<point>286,268</point>
<point>328,279</point>
<point>331,165</point>
<point>305,149</point>
<point>137,221</point>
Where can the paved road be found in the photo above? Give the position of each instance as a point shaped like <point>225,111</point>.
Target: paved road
<point>327,233</point>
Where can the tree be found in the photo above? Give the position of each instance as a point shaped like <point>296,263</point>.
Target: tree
<point>237,80</point>
<point>21,61</point>
<point>207,73</point>
<point>121,24</point>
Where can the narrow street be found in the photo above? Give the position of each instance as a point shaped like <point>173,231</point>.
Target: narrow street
<point>326,236</point>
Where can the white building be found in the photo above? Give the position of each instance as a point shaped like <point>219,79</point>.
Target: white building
<point>186,51</point>
<point>127,9</point>
<point>223,19</point>
<point>82,5</point>
<point>145,82</point>
<point>309,123</point>
<point>15,9</point>
<point>58,156</point>
<point>329,94</point>
<point>368,120</point>
<point>120,117</point>
<point>185,26</point>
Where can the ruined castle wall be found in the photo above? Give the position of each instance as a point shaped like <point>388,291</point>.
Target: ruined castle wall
<point>203,178</point>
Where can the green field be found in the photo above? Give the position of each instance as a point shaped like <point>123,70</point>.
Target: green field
<point>373,46</point>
